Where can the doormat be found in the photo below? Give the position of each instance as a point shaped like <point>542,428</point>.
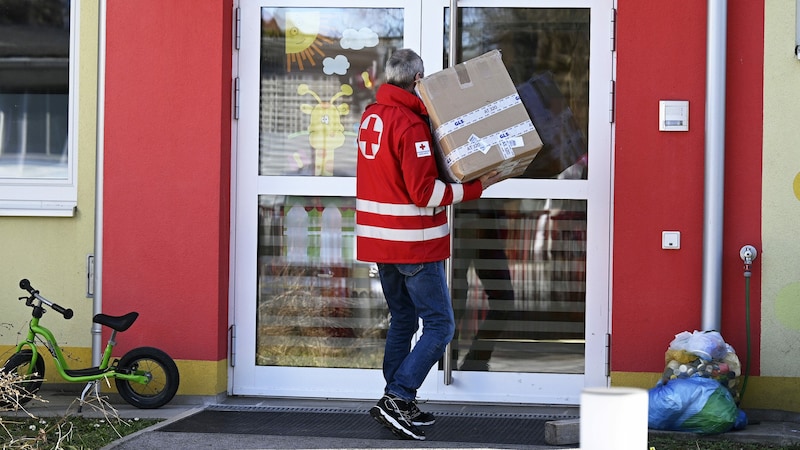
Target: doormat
<point>521,429</point>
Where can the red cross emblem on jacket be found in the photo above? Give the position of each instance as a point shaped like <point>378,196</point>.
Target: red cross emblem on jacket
<point>369,136</point>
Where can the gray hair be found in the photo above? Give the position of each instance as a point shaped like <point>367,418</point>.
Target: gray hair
<point>402,68</point>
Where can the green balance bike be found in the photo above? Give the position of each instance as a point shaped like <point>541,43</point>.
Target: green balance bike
<point>145,377</point>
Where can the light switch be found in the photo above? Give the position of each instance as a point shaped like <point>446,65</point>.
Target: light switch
<point>671,240</point>
<point>673,115</point>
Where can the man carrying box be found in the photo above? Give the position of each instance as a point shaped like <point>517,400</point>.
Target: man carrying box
<point>401,225</point>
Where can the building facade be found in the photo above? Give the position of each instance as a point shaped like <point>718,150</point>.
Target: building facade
<point>213,148</point>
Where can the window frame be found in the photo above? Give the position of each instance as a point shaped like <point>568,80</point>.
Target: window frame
<point>50,197</point>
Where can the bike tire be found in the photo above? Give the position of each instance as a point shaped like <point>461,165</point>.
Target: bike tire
<point>27,382</point>
<point>163,373</point>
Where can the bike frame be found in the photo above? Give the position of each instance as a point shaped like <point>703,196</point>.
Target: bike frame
<point>102,371</point>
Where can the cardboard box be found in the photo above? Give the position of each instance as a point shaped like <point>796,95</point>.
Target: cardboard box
<point>479,123</point>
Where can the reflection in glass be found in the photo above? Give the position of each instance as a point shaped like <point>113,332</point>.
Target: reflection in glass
<point>519,292</point>
<point>519,265</point>
<point>34,89</point>
<point>546,52</point>
<point>320,68</point>
<point>317,306</point>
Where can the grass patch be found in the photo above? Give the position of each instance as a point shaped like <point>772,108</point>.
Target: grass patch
<point>20,429</point>
<point>66,432</point>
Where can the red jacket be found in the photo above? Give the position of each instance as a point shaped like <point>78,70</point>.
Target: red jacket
<point>400,200</point>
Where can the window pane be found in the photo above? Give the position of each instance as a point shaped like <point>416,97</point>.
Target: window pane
<point>34,92</point>
<point>519,285</point>
<point>319,70</point>
<point>317,305</point>
<point>546,52</point>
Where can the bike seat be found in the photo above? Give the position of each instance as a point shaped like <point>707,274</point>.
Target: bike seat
<point>119,323</point>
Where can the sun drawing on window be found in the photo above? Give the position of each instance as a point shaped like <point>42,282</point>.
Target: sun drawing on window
<point>303,40</point>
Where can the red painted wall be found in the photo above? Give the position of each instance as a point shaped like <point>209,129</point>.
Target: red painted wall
<point>167,173</point>
<point>659,178</point>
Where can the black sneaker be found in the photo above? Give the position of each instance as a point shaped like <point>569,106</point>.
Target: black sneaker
<point>418,417</point>
<point>393,413</point>
<point>474,365</point>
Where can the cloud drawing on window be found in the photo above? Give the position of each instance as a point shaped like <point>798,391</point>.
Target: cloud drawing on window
<point>358,39</point>
<point>338,65</point>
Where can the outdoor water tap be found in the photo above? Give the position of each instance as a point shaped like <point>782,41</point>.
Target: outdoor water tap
<point>748,253</point>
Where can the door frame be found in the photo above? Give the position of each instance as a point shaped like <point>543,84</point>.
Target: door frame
<point>421,25</point>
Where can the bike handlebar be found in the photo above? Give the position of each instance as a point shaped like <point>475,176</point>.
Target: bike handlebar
<point>24,284</point>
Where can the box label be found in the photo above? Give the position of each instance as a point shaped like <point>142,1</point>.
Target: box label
<point>507,146</point>
<point>476,144</point>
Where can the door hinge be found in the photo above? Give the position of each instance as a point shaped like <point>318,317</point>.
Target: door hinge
<point>613,29</point>
<point>237,39</point>
<point>236,98</point>
<point>612,97</point>
<point>232,351</point>
<point>608,355</point>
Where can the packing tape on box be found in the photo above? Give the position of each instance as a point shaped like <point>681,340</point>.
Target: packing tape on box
<point>476,115</point>
<point>507,140</point>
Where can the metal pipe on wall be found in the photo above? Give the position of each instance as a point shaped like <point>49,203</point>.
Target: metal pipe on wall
<point>714,193</point>
<point>97,305</point>
<point>447,361</point>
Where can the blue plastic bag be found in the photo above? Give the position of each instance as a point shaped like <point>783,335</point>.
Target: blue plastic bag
<point>697,405</point>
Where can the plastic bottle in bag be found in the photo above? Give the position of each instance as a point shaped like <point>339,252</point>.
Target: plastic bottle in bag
<point>296,225</point>
<point>331,234</point>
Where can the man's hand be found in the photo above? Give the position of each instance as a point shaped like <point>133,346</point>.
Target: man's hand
<point>490,179</point>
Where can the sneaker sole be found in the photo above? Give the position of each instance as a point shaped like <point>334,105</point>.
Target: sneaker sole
<point>423,424</point>
<point>388,422</point>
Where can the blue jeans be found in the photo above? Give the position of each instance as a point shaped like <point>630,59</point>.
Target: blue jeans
<point>413,292</point>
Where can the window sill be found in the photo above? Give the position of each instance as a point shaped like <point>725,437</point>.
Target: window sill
<point>37,208</point>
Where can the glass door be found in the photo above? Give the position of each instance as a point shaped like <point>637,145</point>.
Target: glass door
<point>530,262</point>
<point>308,319</point>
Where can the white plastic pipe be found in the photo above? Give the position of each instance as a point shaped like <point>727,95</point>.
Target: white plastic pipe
<point>97,305</point>
<point>714,196</point>
<point>613,418</point>
<point>797,29</point>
